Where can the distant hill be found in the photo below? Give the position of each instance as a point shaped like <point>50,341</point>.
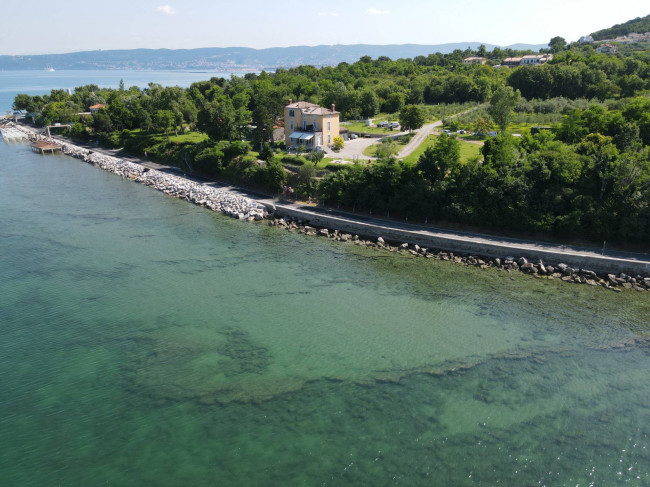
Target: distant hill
<point>640,24</point>
<point>233,58</point>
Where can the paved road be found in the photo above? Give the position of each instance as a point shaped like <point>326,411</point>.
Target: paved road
<point>479,243</point>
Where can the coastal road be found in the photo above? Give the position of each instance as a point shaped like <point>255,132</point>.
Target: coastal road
<point>444,239</point>
<point>469,242</point>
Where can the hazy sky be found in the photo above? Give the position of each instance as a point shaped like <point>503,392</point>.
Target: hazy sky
<point>37,26</point>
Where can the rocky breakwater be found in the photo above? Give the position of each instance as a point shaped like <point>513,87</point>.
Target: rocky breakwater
<point>216,199</point>
<point>539,269</point>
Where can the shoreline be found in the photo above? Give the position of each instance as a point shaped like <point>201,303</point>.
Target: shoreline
<point>586,266</point>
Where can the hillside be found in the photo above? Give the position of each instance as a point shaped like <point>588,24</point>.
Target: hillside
<point>232,58</point>
<point>640,24</point>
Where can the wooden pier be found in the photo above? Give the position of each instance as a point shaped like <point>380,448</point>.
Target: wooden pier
<point>44,147</point>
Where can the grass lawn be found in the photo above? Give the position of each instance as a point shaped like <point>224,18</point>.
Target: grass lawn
<point>371,150</point>
<point>193,137</point>
<point>361,127</point>
<point>320,166</point>
<point>468,151</point>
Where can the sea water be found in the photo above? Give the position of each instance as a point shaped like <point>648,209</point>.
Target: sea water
<point>34,82</point>
<point>148,341</point>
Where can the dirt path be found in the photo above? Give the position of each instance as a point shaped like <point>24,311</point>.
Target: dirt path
<point>423,133</point>
<point>419,138</point>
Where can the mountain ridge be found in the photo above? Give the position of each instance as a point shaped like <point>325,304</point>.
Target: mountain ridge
<point>234,58</point>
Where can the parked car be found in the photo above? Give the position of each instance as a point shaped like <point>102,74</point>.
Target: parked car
<point>393,125</point>
<point>446,131</point>
<point>492,133</point>
<point>353,136</point>
<point>382,124</point>
<point>462,131</point>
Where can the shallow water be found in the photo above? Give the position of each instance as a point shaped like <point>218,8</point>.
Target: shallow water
<point>147,341</point>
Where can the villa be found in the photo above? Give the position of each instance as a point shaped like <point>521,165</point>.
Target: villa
<point>96,108</point>
<point>606,49</point>
<point>310,125</point>
<point>474,60</point>
<point>536,59</point>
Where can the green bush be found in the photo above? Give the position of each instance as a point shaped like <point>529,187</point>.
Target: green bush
<point>294,160</point>
<point>338,143</point>
<point>209,160</point>
<point>334,167</point>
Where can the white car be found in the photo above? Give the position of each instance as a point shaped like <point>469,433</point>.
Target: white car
<point>393,125</point>
<point>353,136</point>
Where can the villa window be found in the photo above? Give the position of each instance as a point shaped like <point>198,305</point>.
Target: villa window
<point>291,124</point>
<point>315,126</point>
<point>329,125</point>
<point>292,113</point>
<point>304,124</point>
<point>329,139</point>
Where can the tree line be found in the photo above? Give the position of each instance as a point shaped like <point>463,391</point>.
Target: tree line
<point>589,176</point>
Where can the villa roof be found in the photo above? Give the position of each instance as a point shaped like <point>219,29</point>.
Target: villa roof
<point>302,104</point>
<point>319,111</point>
<point>98,106</point>
<point>311,108</point>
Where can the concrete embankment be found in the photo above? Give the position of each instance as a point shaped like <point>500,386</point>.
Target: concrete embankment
<point>539,269</point>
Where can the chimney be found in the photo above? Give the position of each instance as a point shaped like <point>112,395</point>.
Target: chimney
<point>333,107</point>
<point>290,101</point>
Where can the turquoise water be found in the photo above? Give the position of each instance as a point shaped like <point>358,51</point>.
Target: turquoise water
<point>42,82</point>
<point>147,341</point>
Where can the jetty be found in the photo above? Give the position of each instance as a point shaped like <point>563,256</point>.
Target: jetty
<point>43,146</point>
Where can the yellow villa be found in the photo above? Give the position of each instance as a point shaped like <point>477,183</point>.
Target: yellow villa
<point>310,125</point>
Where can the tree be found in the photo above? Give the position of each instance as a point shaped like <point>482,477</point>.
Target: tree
<point>557,44</point>
<point>502,103</point>
<point>369,104</point>
<point>165,120</point>
<point>22,101</point>
<point>306,175</point>
<point>387,150</point>
<point>316,156</point>
<point>482,125</point>
<point>411,117</point>
<point>394,103</point>
<point>267,105</point>
<point>266,154</point>
<point>101,121</point>
<point>274,175</point>
<point>217,119</point>
<point>440,159</point>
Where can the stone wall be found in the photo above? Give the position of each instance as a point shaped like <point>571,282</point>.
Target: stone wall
<point>473,246</point>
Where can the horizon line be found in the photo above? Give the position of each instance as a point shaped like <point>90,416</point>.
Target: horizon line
<point>275,47</point>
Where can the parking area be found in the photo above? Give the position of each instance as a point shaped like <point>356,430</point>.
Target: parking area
<point>353,149</point>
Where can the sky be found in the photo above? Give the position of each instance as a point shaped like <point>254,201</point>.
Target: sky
<point>41,27</point>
